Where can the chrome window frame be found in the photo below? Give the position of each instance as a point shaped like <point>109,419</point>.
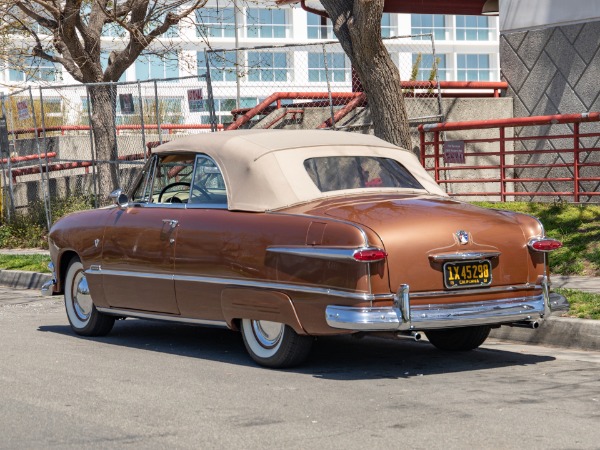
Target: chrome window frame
<point>205,205</point>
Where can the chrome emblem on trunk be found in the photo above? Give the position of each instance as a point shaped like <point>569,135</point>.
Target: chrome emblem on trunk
<point>463,237</point>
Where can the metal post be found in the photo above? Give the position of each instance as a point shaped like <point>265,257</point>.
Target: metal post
<point>113,98</point>
<point>11,195</point>
<point>211,100</point>
<point>141,103</point>
<point>156,111</point>
<point>422,144</point>
<point>328,88</point>
<point>576,162</point>
<point>37,145</point>
<point>45,149</point>
<point>437,80</point>
<point>502,164</point>
<point>92,149</point>
<point>436,148</point>
<point>237,52</point>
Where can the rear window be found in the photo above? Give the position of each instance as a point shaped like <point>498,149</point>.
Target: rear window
<point>357,172</point>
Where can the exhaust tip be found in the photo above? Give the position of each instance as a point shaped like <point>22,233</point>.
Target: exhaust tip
<point>417,336</point>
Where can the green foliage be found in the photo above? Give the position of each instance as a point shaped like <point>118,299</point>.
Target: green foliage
<point>29,230</point>
<point>33,263</point>
<point>583,305</point>
<point>576,226</point>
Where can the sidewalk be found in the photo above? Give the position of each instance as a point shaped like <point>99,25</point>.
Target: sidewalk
<point>555,331</point>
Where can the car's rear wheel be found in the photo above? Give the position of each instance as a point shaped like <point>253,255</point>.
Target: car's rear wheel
<point>274,344</point>
<point>458,339</point>
<point>83,316</point>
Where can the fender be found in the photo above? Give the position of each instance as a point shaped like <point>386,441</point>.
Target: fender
<point>257,304</point>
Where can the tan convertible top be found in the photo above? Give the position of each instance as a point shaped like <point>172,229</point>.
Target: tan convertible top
<point>264,169</point>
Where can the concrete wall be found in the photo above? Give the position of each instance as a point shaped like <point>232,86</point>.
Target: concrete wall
<point>554,70</point>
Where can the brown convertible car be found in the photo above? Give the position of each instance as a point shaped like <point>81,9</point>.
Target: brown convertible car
<point>288,235</point>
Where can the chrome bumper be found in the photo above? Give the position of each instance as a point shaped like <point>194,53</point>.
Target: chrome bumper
<point>48,286</point>
<point>404,317</point>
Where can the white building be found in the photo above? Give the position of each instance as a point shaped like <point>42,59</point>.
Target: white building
<point>466,49</point>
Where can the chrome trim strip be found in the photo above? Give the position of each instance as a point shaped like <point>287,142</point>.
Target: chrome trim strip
<point>336,253</point>
<point>151,316</point>
<point>364,296</point>
<point>464,256</point>
<point>436,316</point>
<point>97,270</point>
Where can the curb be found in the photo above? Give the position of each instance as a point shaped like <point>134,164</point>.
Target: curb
<point>563,332</point>
<point>21,279</point>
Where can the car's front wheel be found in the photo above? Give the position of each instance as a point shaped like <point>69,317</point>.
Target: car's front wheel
<point>458,339</point>
<point>274,344</point>
<point>83,316</point>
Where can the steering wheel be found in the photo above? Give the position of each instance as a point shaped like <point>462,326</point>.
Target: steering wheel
<point>203,191</point>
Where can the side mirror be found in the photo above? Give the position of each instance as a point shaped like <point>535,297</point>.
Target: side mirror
<point>119,198</point>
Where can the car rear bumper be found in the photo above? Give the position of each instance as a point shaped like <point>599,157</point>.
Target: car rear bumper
<point>524,311</point>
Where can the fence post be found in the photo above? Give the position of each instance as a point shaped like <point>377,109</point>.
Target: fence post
<point>576,162</point>
<point>11,193</point>
<point>37,145</point>
<point>92,148</point>
<point>422,144</point>
<point>502,164</point>
<point>156,110</point>
<point>211,98</point>
<point>45,151</point>
<point>7,181</point>
<point>142,125</point>
<point>436,163</point>
<point>328,88</point>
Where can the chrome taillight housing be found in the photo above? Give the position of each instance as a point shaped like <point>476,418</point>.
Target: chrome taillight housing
<point>544,244</point>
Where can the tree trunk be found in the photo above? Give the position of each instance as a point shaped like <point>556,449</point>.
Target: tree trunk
<point>357,25</point>
<point>103,106</point>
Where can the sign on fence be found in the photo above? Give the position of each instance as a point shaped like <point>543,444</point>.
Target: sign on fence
<point>195,100</point>
<point>454,152</point>
<point>23,109</point>
<point>126,103</point>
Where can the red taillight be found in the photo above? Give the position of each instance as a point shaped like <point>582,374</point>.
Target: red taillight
<point>545,245</point>
<point>369,255</point>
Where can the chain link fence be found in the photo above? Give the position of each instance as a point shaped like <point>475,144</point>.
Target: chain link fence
<point>51,162</point>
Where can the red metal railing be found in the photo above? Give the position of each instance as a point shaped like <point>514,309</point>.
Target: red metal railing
<point>503,168</point>
<point>62,129</point>
<point>17,159</point>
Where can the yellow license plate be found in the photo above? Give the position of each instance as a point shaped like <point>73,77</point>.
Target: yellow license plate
<point>465,274</point>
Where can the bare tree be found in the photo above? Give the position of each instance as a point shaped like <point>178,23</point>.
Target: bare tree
<point>68,32</point>
<point>357,25</point>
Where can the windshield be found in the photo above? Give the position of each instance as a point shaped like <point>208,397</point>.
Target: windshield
<point>357,172</point>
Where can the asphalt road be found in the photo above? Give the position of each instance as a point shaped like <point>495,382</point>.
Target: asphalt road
<point>153,385</point>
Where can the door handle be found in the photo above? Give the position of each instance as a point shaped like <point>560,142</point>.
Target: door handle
<point>172,222</point>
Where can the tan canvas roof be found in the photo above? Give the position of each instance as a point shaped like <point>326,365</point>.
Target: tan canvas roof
<point>264,169</point>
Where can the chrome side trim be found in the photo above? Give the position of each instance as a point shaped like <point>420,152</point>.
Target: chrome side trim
<point>151,316</point>
<point>335,253</point>
<point>364,296</point>
<point>401,317</point>
<point>467,291</point>
<point>464,256</point>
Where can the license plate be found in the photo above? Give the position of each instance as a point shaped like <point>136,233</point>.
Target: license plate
<point>465,274</point>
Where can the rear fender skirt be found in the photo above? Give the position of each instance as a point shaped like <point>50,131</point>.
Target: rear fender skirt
<point>257,304</point>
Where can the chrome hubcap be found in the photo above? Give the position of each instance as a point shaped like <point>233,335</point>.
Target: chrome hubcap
<point>82,300</point>
<point>268,334</point>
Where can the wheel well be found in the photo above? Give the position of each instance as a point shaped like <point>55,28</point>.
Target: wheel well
<point>62,265</point>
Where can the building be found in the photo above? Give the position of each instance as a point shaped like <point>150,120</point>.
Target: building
<point>466,49</point>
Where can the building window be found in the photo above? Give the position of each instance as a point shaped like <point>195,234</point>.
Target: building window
<point>425,66</point>
<point>222,65</point>
<point>35,68</point>
<point>266,23</point>
<point>429,24</point>
<point>473,28</point>
<point>336,67</point>
<point>267,66</point>
<point>473,67</point>
<point>215,22</point>
<point>150,67</point>
<point>315,30</point>
<point>387,29</point>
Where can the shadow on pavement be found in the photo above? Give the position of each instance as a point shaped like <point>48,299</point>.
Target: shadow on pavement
<point>332,358</point>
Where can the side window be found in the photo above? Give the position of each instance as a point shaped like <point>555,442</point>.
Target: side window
<point>208,186</point>
<point>165,180</point>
